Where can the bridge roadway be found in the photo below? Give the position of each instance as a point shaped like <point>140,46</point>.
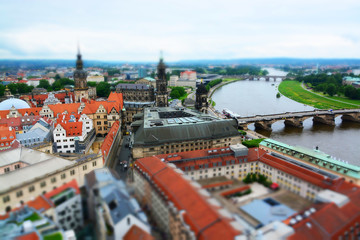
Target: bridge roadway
<point>253,77</point>
<point>296,119</point>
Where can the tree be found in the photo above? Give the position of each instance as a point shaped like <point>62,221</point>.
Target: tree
<point>103,89</point>
<point>331,89</point>
<point>57,77</point>
<point>91,84</point>
<point>44,84</point>
<point>2,90</point>
<point>177,92</point>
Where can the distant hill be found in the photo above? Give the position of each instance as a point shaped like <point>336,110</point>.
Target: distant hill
<point>42,63</point>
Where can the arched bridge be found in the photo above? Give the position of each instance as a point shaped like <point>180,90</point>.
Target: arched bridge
<point>296,119</point>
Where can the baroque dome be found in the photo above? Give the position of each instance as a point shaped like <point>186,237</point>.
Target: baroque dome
<point>17,103</point>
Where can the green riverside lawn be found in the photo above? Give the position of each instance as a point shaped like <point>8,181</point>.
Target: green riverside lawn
<point>294,91</point>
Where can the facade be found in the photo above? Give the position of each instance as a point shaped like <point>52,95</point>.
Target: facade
<point>31,223</point>
<point>81,88</point>
<point>26,183</point>
<point>201,101</point>
<point>39,133</point>
<point>147,81</point>
<point>110,145</point>
<point>8,136</point>
<point>142,72</point>
<point>173,80</point>
<point>188,75</point>
<point>95,78</point>
<point>111,207</point>
<point>136,97</point>
<point>169,130</point>
<point>73,134</point>
<point>178,206</point>
<point>161,97</point>
<point>314,158</point>
<point>67,207</point>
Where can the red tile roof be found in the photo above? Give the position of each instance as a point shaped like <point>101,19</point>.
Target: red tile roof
<point>109,139</point>
<point>70,108</point>
<point>236,190</point>
<point>72,184</point>
<point>230,182</point>
<point>6,136</point>
<point>28,236</point>
<point>136,233</point>
<point>72,128</point>
<point>40,203</point>
<point>202,218</point>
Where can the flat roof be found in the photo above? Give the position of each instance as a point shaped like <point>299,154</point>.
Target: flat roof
<point>164,125</point>
<point>331,164</point>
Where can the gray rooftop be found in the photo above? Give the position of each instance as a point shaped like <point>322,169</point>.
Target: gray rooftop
<point>163,125</point>
<point>132,86</point>
<point>41,165</point>
<point>267,210</point>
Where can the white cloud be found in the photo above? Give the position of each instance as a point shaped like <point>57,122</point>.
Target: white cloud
<point>138,30</point>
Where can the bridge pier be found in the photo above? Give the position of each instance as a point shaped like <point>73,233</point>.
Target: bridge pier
<point>294,122</point>
<point>243,126</point>
<point>328,119</point>
<point>351,117</point>
<point>266,125</point>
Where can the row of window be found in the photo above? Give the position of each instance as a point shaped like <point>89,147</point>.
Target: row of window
<point>43,183</point>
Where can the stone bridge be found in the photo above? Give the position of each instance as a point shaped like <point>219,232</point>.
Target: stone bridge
<point>296,119</point>
<point>255,77</point>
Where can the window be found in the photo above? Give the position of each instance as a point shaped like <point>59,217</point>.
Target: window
<point>84,167</point>
<point>63,176</point>
<point>7,169</point>
<point>31,188</point>
<point>72,172</point>
<point>94,163</point>
<point>19,193</point>
<point>43,184</point>
<point>53,179</point>
<point>6,199</point>
<point>17,166</point>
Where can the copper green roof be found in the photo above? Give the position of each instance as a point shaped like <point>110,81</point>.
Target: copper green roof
<point>315,157</point>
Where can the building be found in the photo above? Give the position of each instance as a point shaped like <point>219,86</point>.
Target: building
<point>315,158</point>
<point>13,103</point>
<point>161,97</point>
<point>201,101</point>
<point>111,143</point>
<point>81,88</point>
<point>178,206</point>
<point>38,133</point>
<point>67,208</point>
<point>147,80</point>
<point>142,73</point>
<point>188,75</point>
<point>110,206</point>
<point>30,223</point>
<point>95,77</point>
<point>353,81</point>
<point>8,135</point>
<point>169,130</point>
<point>73,134</point>
<point>173,80</point>
<point>136,97</point>
<point>50,172</point>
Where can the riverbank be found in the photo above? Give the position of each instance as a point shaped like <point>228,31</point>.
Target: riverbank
<point>294,91</point>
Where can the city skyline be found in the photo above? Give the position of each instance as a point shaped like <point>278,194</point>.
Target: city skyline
<point>184,30</point>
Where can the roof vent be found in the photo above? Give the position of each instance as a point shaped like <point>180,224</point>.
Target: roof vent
<point>312,210</point>
<point>298,218</point>
<point>308,225</point>
<point>292,221</point>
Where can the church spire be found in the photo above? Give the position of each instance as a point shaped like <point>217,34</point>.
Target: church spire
<point>79,62</point>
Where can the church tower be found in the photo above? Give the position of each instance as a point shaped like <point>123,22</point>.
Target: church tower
<point>161,85</point>
<point>81,88</point>
<point>201,102</point>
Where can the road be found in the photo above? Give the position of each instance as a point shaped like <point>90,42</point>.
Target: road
<point>123,160</point>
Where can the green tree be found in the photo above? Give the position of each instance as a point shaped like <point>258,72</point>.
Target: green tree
<point>331,89</point>
<point>177,92</point>
<point>57,77</point>
<point>91,84</point>
<point>2,90</point>
<point>44,84</point>
<point>56,86</point>
<point>103,89</point>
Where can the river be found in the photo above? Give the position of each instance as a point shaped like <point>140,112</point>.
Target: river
<point>248,98</point>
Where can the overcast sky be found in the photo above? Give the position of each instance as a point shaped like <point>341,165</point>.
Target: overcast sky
<point>137,30</point>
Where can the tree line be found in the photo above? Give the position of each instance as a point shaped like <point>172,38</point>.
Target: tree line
<point>330,84</point>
